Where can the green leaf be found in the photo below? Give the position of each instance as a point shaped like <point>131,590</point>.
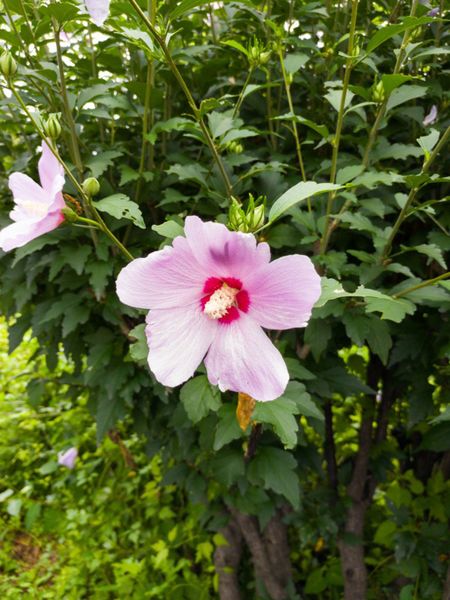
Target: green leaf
<point>190,172</point>
<point>432,251</point>
<point>391,82</point>
<point>444,416</point>
<point>437,438</point>
<point>428,142</point>
<point>297,193</point>
<point>320,129</point>
<point>405,93</point>
<point>390,308</point>
<point>120,206</point>
<point>280,414</point>
<point>139,348</point>
<point>294,62</point>
<point>169,229</point>
<point>297,394</point>
<point>277,470</point>
<point>348,173</point>
<point>317,335</point>
<point>379,338</point>
<point>228,466</point>
<point>227,428</point>
<point>199,397</point>
<point>99,163</point>
<point>109,410</point>
<point>389,31</point>
<point>334,98</point>
<point>237,46</point>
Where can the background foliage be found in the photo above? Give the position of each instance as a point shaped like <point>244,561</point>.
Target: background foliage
<point>340,487</point>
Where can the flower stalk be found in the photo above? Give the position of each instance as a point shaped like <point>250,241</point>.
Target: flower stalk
<point>423,284</point>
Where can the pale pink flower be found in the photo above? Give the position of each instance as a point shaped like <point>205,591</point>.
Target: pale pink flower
<point>431,117</point>
<point>98,9</point>
<point>37,207</point>
<point>68,458</point>
<point>211,293</point>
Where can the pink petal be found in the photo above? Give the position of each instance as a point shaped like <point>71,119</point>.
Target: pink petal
<point>98,9</point>
<point>51,172</point>
<point>224,253</point>
<point>243,359</point>
<point>178,339</point>
<point>20,233</point>
<point>24,188</point>
<point>163,279</point>
<point>283,293</point>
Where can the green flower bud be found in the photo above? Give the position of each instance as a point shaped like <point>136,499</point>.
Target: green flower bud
<point>378,94</point>
<point>289,78</point>
<point>236,217</point>
<point>8,65</point>
<point>69,215</point>
<point>52,127</point>
<point>264,57</point>
<point>91,186</point>
<point>255,214</point>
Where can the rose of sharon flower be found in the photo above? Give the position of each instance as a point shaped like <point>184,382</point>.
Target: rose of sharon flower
<point>98,9</point>
<point>210,294</point>
<point>37,207</point>
<point>68,458</point>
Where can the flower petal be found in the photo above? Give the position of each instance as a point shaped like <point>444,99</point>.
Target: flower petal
<point>224,253</point>
<point>243,359</point>
<point>20,233</point>
<point>98,9</point>
<point>283,293</point>
<point>25,189</point>
<point>178,339</point>
<point>167,278</point>
<point>51,172</point>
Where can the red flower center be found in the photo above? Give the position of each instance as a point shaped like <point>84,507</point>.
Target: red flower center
<point>224,298</point>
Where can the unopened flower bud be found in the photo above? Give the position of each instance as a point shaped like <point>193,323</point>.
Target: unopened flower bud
<point>52,127</point>
<point>69,215</point>
<point>235,147</point>
<point>378,93</point>
<point>236,217</point>
<point>289,78</point>
<point>264,57</point>
<point>8,65</point>
<point>257,218</point>
<point>91,186</point>
<point>255,214</point>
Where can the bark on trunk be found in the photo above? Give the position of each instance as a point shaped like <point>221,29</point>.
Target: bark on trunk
<point>226,561</point>
<point>269,551</point>
<point>446,592</point>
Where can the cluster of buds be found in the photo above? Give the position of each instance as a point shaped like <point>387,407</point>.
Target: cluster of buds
<point>52,126</point>
<point>258,54</point>
<point>378,92</point>
<point>249,220</point>
<point>234,147</point>
<point>8,65</point>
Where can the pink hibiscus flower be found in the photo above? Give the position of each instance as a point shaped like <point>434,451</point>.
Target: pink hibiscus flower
<point>37,207</point>
<point>210,294</point>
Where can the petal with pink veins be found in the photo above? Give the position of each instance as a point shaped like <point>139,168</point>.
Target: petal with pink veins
<point>224,253</point>
<point>178,339</point>
<point>243,359</point>
<point>283,293</point>
<point>167,278</point>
